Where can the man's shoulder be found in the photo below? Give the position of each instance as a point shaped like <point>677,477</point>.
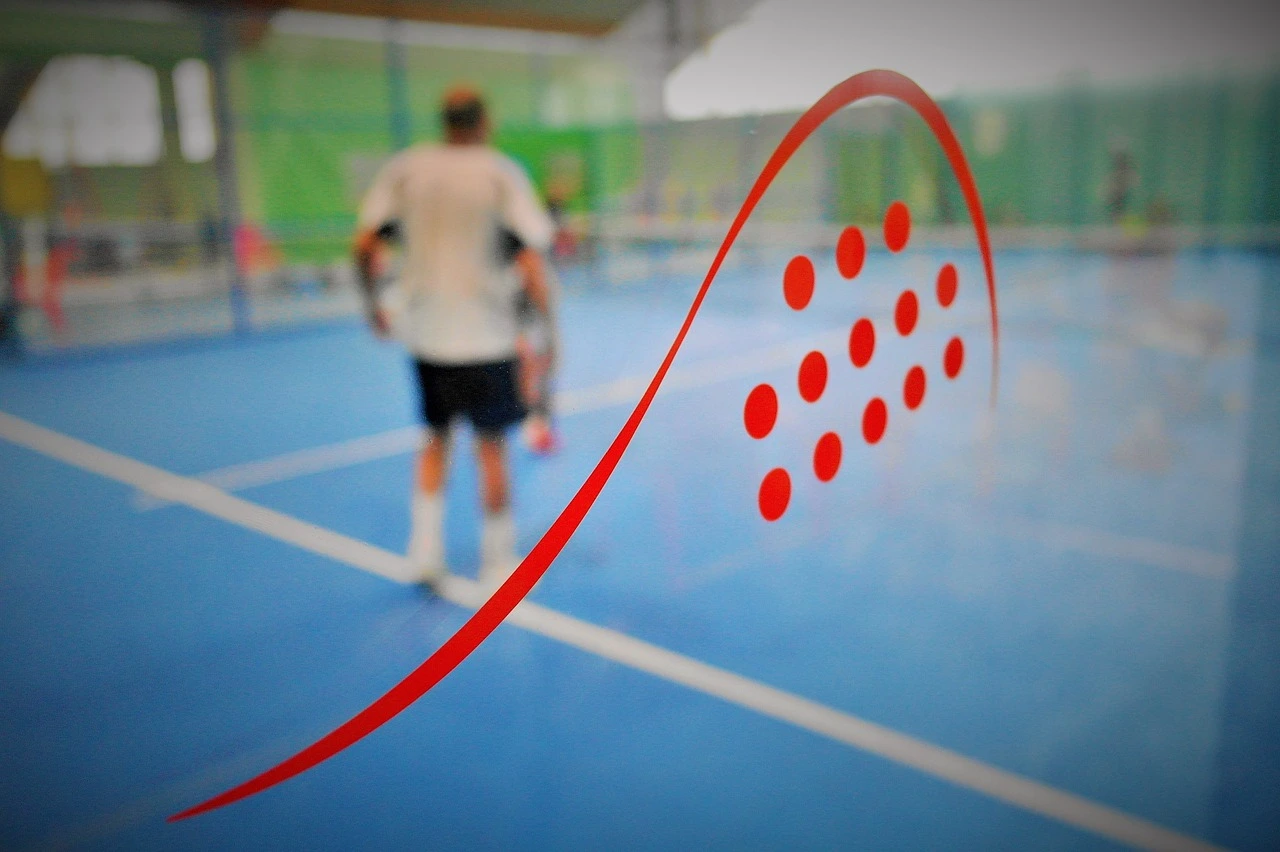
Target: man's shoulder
<point>416,155</point>
<point>496,160</point>
<point>488,156</point>
<point>509,169</point>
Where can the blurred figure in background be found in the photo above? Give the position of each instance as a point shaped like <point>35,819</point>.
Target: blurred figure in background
<point>565,245</point>
<point>538,345</point>
<point>64,246</point>
<point>539,338</point>
<point>449,205</point>
<point>256,257</point>
<point>1122,180</point>
<point>46,258</point>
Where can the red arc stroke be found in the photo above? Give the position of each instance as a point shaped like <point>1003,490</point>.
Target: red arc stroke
<point>492,613</point>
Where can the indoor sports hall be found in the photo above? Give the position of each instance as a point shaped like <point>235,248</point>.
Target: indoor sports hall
<point>917,461</point>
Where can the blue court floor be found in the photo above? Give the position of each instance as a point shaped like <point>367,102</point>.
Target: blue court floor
<point>1076,587</point>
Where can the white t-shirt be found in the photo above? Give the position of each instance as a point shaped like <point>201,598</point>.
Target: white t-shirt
<point>451,201</point>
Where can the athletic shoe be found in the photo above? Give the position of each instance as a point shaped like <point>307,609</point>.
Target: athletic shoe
<point>426,562</point>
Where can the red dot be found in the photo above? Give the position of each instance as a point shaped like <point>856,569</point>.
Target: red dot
<point>946,285</point>
<point>953,360</point>
<point>897,226</point>
<point>906,313</point>
<point>913,387</point>
<point>813,376</point>
<point>761,411</point>
<point>874,418</point>
<point>826,456</point>
<point>862,342</point>
<point>851,251</point>
<point>775,494</point>
<point>797,282</point>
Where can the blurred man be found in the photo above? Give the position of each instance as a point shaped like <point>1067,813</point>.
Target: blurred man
<point>449,204</point>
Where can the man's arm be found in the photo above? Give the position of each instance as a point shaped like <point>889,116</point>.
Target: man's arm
<point>532,268</point>
<point>534,280</point>
<point>368,242</point>
<point>377,223</point>
<point>530,230</point>
<point>533,272</point>
<point>537,284</point>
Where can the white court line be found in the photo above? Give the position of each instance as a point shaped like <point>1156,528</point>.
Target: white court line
<point>300,463</point>
<point>842,727</point>
<point>623,391</point>
<point>204,497</point>
<point>626,390</point>
<point>1154,554</point>
<point>1171,557</point>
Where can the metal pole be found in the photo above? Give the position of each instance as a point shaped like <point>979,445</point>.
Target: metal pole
<point>1151,173</point>
<point>1244,810</point>
<point>1078,132</point>
<point>15,82</point>
<point>1266,177</point>
<point>1219,116</point>
<point>398,88</point>
<point>10,342</point>
<point>217,37</point>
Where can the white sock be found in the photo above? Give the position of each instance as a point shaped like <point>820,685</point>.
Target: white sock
<point>497,545</point>
<point>426,541</point>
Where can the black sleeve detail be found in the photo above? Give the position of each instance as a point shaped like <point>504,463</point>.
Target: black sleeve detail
<point>390,231</point>
<point>509,245</point>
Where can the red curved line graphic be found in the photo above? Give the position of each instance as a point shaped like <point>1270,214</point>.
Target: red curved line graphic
<point>487,618</point>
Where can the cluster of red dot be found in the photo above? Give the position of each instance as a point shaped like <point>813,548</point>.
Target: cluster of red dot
<point>761,410</point>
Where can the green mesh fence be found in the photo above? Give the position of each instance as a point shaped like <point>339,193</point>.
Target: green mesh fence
<point>315,117</point>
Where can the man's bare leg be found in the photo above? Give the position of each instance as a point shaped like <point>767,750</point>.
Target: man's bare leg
<point>426,542</point>
<point>498,535</point>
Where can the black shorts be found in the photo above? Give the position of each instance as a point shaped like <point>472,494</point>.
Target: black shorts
<point>487,394</point>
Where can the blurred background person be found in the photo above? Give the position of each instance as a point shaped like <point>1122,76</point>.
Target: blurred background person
<point>538,345</point>
<point>1122,180</point>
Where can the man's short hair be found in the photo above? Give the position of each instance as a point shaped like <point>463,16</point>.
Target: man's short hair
<point>463,115</point>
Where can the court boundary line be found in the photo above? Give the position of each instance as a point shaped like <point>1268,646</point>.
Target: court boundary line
<point>326,458</point>
<point>935,761</point>
<point>613,393</point>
